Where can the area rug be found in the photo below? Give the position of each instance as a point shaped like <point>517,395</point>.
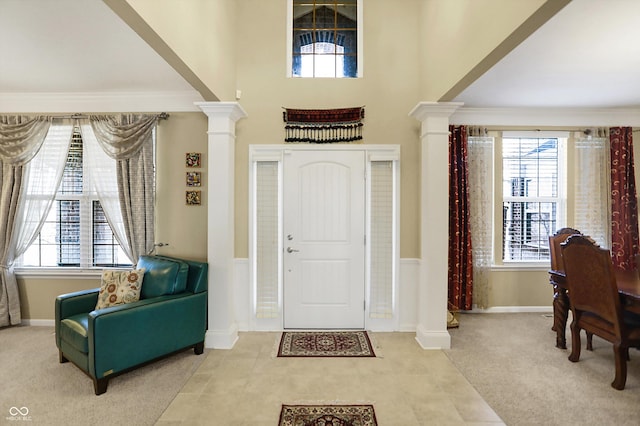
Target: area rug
<point>325,344</point>
<point>327,415</point>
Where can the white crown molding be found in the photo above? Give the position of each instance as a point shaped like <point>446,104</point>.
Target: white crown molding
<point>547,116</point>
<point>174,101</point>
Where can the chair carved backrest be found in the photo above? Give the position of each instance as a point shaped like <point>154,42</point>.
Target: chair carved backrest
<point>595,303</point>
<point>592,282</point>
<point>555,252</point>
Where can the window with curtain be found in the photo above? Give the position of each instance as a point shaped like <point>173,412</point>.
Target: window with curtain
<point>324,38</point>
<point>533,195</point>
<point>76,232</point>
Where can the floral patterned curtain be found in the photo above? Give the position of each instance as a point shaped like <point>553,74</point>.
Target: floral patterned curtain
<point>624,202</point>
<point>460,258</point>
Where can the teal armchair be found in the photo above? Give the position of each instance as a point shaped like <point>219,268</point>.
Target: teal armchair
<point>170,316</point>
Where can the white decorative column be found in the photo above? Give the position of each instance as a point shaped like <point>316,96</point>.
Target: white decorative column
<point>432,331</point>
<point>222,332</point>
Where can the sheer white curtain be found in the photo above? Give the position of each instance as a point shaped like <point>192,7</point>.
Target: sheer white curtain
<point>128,139</point>
<point>42,179</point>
<point>104,179</point>
<point>32,152</point>
<point>480,158</point>
<point>592,186</point>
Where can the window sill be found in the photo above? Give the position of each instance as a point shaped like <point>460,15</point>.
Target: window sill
<point>524,267</point>
<point>59,273</point>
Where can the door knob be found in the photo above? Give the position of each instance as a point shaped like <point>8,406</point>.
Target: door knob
<point>290,250</point>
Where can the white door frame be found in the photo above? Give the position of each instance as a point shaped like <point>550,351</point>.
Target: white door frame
<point>258,153</point>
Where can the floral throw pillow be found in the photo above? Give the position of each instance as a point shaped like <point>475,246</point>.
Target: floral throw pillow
<point>118,287</point>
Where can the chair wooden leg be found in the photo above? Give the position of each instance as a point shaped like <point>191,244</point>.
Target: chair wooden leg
<point>620,355</point>
<point>100,385</point>
<point>198,348</point>
<point>560,316</point>
<point>62,357</point>
<point>575,342</point>
<point>589,341</point>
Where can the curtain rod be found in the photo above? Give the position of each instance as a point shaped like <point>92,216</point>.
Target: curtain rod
<point>161,116</point>
<point>516,129</point>
<point>587,131</point>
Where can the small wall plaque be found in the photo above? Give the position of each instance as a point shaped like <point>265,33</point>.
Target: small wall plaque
<point>193,159</point>
<point>193,179</point>
<point>193,198</point>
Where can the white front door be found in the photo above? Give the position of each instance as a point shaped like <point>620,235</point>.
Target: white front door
<point>324,232</point>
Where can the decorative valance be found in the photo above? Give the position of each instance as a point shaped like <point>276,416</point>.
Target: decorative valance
<point>323,125</point>
<point>122,137</point>
<point>21,138</point>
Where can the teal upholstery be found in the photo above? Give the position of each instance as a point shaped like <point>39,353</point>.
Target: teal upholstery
<point>170,316</point>
<point>162,276</point>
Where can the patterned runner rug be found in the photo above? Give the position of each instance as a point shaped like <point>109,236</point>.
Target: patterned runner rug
<point>325,344</point>
<point>327,415</point>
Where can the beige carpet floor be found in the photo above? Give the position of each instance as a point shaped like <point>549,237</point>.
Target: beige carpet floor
<point>61,394</point>
<point>512,361</point>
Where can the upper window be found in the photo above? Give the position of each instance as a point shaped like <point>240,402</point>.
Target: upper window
<point>76,232</point>
<point>532,196</point>
<point>324,38</point>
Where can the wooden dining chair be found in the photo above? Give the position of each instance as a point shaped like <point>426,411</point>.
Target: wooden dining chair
<point>558,281</point>
<point>595,302</point>
<point>555,251</point>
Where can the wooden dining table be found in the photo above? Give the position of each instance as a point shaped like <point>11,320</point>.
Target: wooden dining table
<point>628,286</point>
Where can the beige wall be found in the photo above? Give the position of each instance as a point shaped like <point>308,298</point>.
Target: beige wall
<point>457,35</point>
<point>202,33</point>
<point>183,227</point>
<point>519,288</point>
<point>37,295</point>
<point>414,50</point>
<point>387,90</point>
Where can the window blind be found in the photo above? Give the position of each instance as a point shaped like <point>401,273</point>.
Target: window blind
<point>381,240</point>
<point>267,227</point>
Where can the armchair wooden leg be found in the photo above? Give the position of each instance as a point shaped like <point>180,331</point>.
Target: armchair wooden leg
<point>62,357</point>
<point>589,341</point>
<point>100,385</point>
<point>198,348</point>
<point>620,355</point>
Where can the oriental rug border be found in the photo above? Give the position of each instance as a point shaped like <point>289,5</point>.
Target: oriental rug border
<point>325,344</point>
<point>326,414</point>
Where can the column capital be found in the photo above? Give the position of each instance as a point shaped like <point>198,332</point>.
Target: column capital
<point>424,110</point>
<point>231,110</point>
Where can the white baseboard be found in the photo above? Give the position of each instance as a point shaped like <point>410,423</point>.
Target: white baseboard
<point>510,309</point>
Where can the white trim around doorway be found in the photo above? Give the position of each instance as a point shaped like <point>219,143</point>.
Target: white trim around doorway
<point>276,153</point>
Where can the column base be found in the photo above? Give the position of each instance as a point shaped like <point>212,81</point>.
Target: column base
<point>430,339</point>
<point>221,339</point>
